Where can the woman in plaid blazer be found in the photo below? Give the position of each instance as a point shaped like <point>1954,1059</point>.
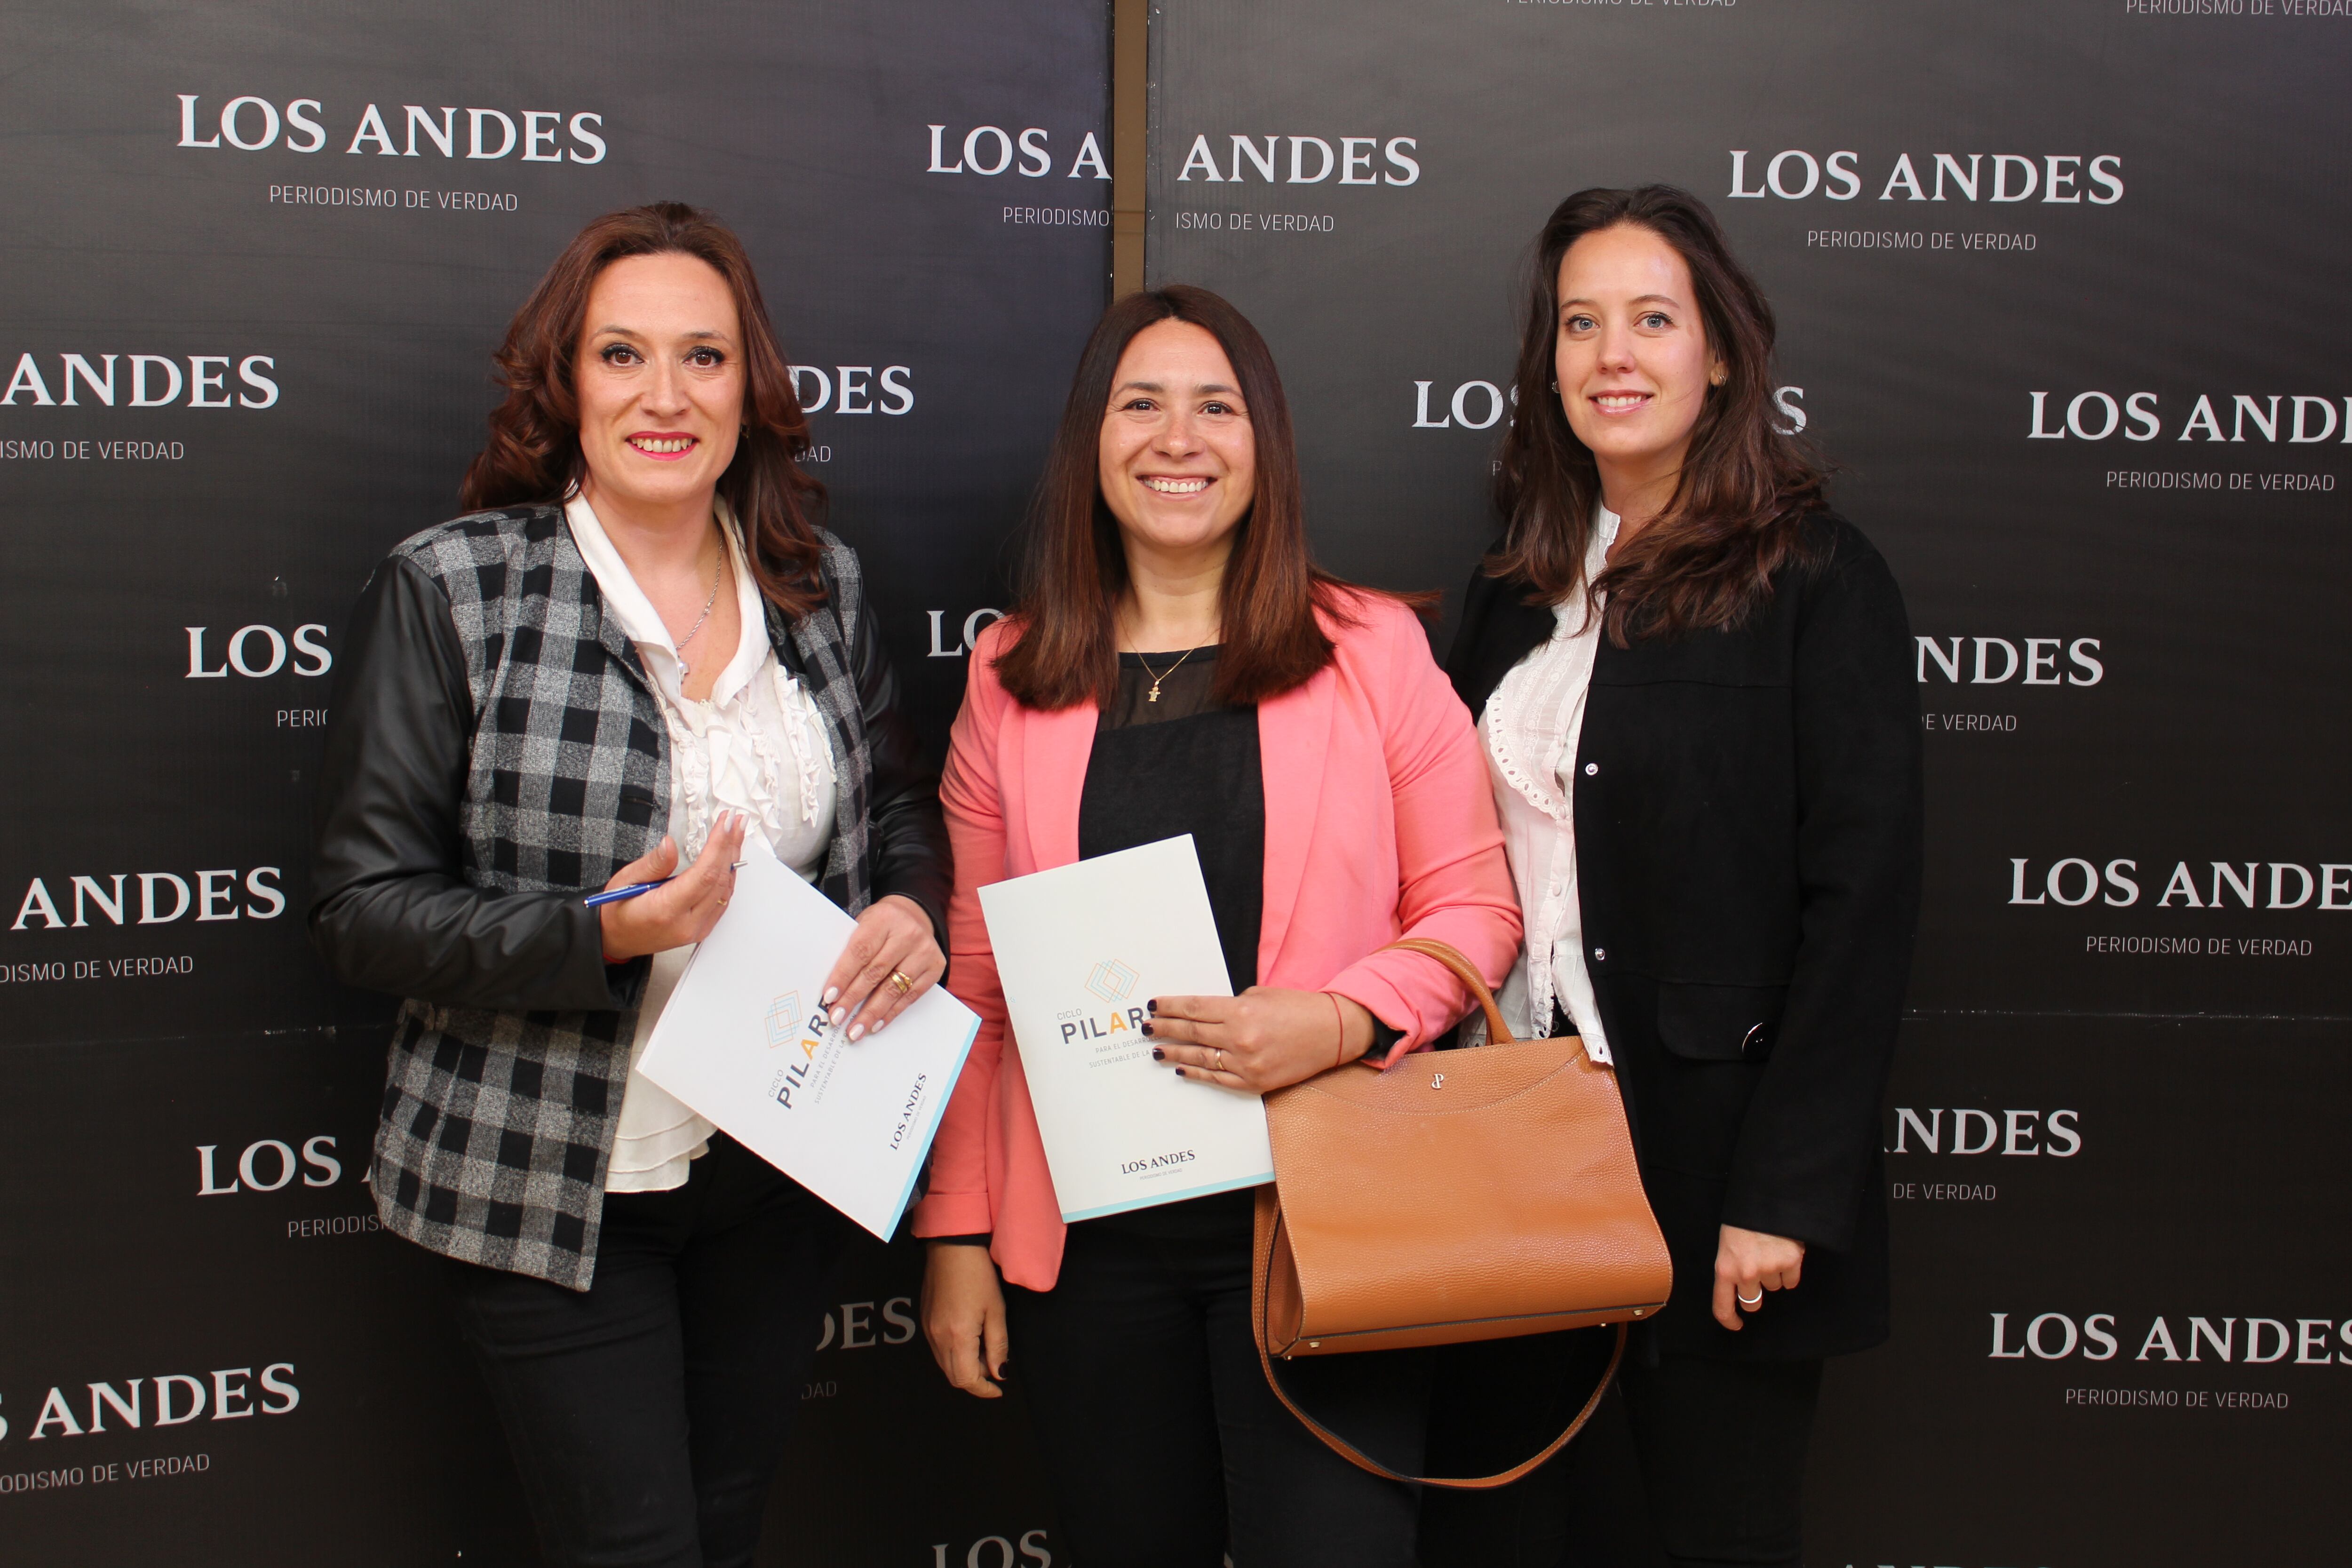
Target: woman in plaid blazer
<point>638,647</point>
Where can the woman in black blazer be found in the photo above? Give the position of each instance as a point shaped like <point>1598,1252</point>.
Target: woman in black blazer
<point>1694,688</point>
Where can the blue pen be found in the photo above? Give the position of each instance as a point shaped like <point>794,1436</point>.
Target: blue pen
<point>614,895</point>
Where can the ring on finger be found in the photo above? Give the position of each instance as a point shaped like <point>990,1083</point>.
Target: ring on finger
<point>1755,1300</point>
<point>1219,1063</point>
<point>899,981</point>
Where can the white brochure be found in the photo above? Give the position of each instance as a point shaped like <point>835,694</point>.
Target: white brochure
<point>1080,950</point>
<point>744,1042</point>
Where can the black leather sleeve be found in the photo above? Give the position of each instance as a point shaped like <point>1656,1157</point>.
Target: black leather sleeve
<point>906,839</point>
<point>393,910</point>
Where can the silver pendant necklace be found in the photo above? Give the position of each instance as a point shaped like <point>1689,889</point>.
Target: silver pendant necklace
<point>718,575</point>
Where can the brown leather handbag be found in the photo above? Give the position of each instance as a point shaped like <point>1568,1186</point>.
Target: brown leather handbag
<point>1460,1195</point>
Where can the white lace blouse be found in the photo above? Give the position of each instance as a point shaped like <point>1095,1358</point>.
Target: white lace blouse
<point>1529,731</point>
<point>756,745</point>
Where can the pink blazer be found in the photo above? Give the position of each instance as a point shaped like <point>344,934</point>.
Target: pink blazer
<point>1379,822</point>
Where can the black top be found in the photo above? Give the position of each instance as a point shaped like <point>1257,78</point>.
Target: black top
<point>1747,848</point>
<point>1179,762</point>
<point>1183,764</point>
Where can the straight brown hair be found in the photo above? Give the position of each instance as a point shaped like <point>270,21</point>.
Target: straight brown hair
<point>1738,512</point>
<point>533,454</point>
<point>1065,638</point>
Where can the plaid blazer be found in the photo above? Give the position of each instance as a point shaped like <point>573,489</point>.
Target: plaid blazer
<point>498,1120</point>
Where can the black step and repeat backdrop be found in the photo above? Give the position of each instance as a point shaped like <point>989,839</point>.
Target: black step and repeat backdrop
<point>2060,289</point>
<point>2061,286</point>
<point>254,261</point>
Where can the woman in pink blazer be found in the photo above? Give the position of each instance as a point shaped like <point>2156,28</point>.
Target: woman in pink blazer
<point>1178,665</point>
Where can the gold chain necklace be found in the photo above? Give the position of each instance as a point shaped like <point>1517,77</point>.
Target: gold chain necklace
<point>1158,675</point>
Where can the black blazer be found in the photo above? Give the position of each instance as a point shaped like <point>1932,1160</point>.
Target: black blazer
<point>1747,843</point>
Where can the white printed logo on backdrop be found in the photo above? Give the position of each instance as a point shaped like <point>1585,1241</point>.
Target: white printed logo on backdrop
<point>98,1409</point>
<point>254,124</point>
<point>973,624</point>
<point>854,388</point>
<point>2071,881</point>
<point>142,381</point>
<point>989,151</point>
<point>2064,178</point>
<point>159,898</point>
<point>1482,404</point>
<point>2233,418</point>
<point>1304,160</point>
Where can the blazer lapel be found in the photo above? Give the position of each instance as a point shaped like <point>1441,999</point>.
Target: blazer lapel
<point>1052,770</point>
<point>603,629</point>
<point>1293,735</point>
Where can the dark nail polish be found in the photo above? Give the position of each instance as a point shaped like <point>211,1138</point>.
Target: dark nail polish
<point>1158,1055</point>
<point>1153,1005</point>
<point>1146,1028</point>
<point>1180,1072</point>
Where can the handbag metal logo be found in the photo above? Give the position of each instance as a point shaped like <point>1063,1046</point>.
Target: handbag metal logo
<point>1437,1082</point>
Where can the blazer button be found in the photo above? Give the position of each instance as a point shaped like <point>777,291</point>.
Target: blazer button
<point>1601,955</point>
<point>1590,769</point>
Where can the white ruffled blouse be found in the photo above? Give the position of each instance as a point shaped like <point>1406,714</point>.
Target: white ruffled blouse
<point>1529,731</point>
<point>756,745</point>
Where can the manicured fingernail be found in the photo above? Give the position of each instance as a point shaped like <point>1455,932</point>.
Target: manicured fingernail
<point>1158,1055</point>
<point>832,994</point>
<point>856,1032</point>
<point>1146,1028</point>
<point>1153,1005</point>
<point>882,1026</point>
<point>839,1013</point>
<point>1180,1072</point>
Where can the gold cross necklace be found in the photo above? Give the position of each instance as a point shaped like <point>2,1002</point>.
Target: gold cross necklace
<point>1160,675</point>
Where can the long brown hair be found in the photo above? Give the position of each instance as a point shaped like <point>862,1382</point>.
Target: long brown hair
<point>533,453</point>
<point>1738,511</point>
<point>1065,647</point>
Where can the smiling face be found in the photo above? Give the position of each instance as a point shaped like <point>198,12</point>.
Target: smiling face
<point>661,384</point>
<point>1632,354</point>
<point>1177,462</point>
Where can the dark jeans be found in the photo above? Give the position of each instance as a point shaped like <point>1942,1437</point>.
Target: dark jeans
<point>1720,1447</point>
<point>648,1415</point>
<point>1165,1446</point>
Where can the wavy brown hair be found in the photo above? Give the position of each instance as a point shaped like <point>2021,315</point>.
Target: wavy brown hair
<point>1738,512</point>
<point>533,453</point>
<point>1066,640</point>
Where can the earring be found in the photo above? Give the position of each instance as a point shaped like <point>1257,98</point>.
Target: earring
<point>1555,386</point>
<point>1718,376</point>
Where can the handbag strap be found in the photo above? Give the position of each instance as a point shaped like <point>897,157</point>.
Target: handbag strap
<point>1498,1032</point>
<point>1268,1223</point>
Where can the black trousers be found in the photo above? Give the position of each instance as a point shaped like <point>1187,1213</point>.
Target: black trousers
<point>647,1414</point>
<point>1720,1447</point>
<point>1165,1446</point>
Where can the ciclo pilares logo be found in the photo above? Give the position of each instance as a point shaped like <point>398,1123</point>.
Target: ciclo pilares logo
<point>788,1025</point>
<point>1114,981</point>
